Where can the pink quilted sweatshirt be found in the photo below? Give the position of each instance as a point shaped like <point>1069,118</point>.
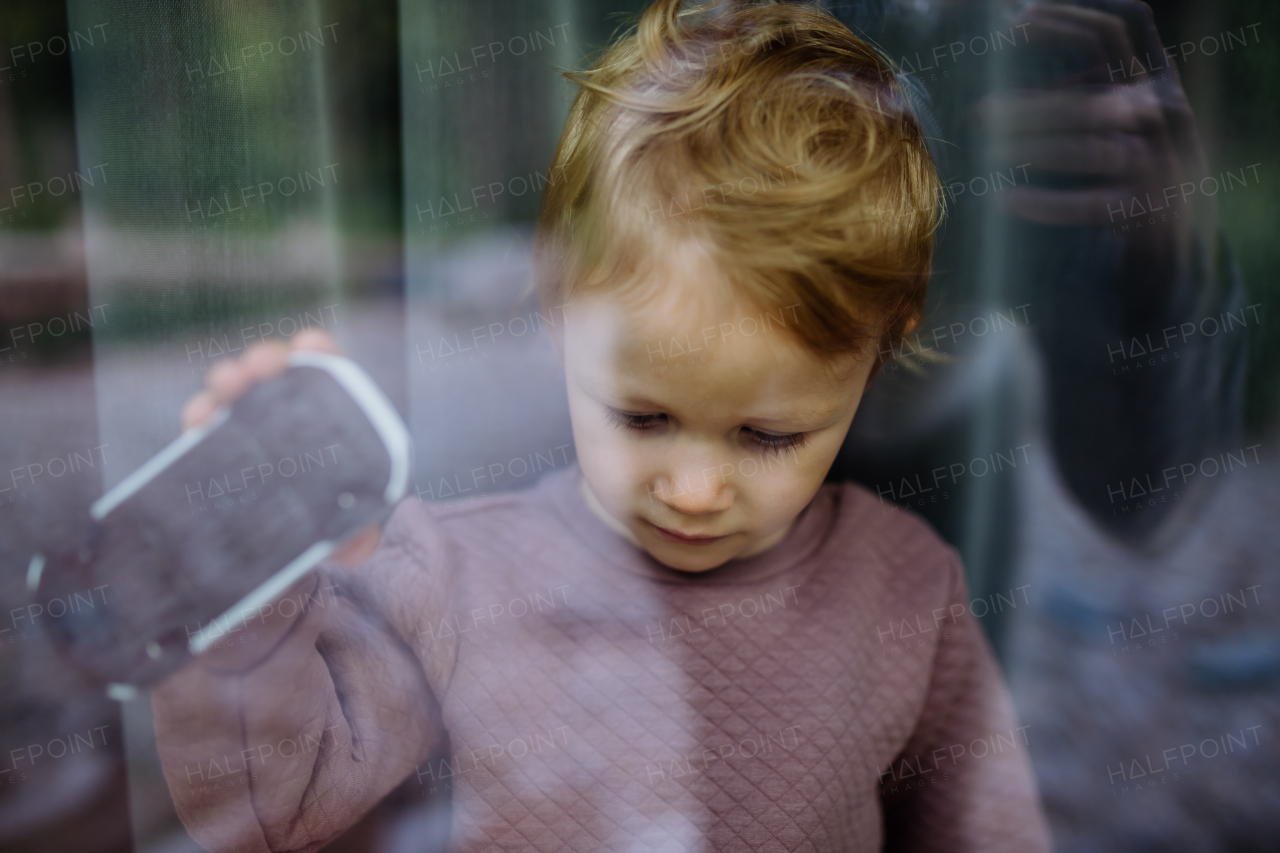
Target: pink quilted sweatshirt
<point>561,690</point>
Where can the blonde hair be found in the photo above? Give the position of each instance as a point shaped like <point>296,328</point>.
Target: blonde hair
<point>773,135</point>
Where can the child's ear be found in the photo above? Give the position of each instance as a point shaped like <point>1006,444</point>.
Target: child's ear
<point>912,323</point>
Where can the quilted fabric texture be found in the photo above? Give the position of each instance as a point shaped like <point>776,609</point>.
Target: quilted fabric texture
<point>567,692</point>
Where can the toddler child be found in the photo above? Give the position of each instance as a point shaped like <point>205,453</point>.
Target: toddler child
<point>686,641</point>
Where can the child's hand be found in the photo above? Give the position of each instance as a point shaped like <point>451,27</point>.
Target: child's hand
<point>228,379</point>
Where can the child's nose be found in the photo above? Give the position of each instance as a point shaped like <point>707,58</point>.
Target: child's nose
<point>692,493</point>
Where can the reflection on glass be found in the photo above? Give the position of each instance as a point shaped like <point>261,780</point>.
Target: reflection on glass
<point>691,437</point>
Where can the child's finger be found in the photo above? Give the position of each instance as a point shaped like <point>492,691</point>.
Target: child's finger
<point>198,409</point>
<point>315,339</point>
<point>359,547</point>
<point>226,380</point>
<point>265,360</point>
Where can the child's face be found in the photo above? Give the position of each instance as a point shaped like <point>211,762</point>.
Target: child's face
<point>728,441</point>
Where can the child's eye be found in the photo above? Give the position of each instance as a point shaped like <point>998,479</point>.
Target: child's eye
<point>774,443</point>
<point>626,420</point>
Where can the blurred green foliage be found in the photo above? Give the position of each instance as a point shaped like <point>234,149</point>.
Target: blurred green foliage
<point>1245,128</point>
<point>349,101</point>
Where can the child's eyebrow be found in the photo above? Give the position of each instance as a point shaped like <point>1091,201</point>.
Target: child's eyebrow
<point>809,419</point>
<point>616,399</point>
<point>626,396</point>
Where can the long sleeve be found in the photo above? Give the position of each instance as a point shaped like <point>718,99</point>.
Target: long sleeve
<point>290,750</point>
<point>964,782</point>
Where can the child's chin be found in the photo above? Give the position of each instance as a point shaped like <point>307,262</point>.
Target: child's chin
<point>678,557</point>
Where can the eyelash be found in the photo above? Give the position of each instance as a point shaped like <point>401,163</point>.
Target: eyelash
<point>775,444</point>
<point>639,423</point>
<point>779,444</point>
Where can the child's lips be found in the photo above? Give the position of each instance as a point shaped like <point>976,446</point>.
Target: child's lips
<point>683,539</point>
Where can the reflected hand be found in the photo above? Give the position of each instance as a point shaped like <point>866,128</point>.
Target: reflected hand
<point>1116,129</point>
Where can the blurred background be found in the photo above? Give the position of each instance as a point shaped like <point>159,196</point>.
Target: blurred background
<point>1089,412</point>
